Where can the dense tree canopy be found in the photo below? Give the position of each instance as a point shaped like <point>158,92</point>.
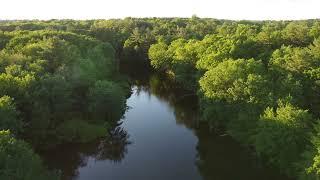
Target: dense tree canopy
<point>59,79</point>
<point>236,80</point>
<point>46,82</point>
<point>284,128</point>
<point>9,115</point>
<point>241,68</point>
<point>18,161</point>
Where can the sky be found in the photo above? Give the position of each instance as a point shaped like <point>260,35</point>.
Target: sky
<point>107,9</point>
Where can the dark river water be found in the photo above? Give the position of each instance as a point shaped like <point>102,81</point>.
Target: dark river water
<point>160,138</point>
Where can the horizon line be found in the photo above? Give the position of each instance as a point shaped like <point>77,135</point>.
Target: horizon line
<point>158,17</point>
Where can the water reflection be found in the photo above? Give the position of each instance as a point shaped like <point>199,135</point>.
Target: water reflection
<point>218,155</point>
<point>68,158</point>
<point>160,138</point>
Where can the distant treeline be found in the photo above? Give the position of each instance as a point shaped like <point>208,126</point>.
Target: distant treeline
<point>259,80</point>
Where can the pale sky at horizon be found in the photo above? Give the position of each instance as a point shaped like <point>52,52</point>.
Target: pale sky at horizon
<point>106,9</point>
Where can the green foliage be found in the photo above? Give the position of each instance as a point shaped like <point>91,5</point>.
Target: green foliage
<point>58,69</point>
<point>4,39</point>
<point>106,101</point>
<point>9,115</point>
<point>296,33</point>
<point>282,135</point>
<point>309,165</point>
<point>19,162</point>
<point>159,58</point>
<point>236,80</point>
<point>80,131</point>
<point>292,69</point>
<point>241,69</point>
<point>212,50</point>
<point>315,30</point>
<point>51,104</point>
<point>242,127</point>
<point>50,73</point>
<point>293,60</point>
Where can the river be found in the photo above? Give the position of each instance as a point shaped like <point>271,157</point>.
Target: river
<point>159,138</point>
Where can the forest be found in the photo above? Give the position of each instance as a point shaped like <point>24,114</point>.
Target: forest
<point>259,81</point>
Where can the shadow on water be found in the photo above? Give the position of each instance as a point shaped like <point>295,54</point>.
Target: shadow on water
<point>160,138</point>
<point>219,157</point>
<point>68,158</point>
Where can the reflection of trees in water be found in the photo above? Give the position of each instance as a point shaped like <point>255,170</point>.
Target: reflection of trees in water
<point>219,157</point>
<point>183,103</point>
<point>69,158</point>
<point>114,148</point>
